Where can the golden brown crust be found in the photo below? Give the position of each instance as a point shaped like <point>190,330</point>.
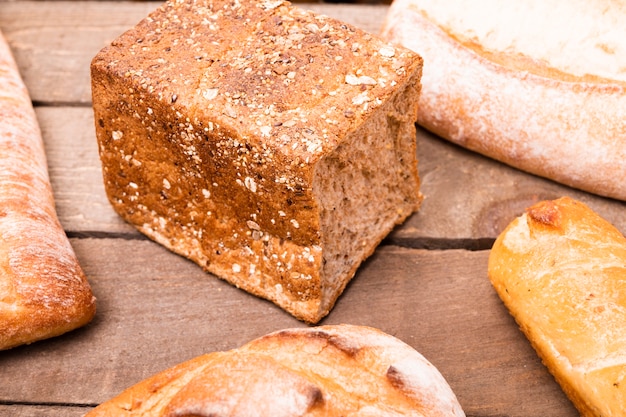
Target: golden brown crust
<point>560,269</point>
<point>43,291</point>
<point>516,108</point>
<point>272,146</point>
<point>320,371</point>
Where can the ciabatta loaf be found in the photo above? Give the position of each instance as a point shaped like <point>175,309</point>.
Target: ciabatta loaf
<point>539,85</point>
<point>43,291</point>
<point>561,271</point>
<point>273,146</point>
<point>339,370</point>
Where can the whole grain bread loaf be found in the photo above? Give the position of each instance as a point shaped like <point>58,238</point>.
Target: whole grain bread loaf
<point>340,370</point>
<point>272,146</point>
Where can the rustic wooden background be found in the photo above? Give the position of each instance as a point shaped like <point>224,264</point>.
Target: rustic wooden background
<point>426,284</point>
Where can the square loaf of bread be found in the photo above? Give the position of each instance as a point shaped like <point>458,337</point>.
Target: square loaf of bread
<point>273,146</point>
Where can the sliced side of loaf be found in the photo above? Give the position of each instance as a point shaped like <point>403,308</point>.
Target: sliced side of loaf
<point>539,85</point>
<point>272,146</point>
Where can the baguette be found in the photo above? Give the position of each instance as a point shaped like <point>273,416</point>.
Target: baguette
<point>341,370</point>
<point>272,146</point>
<point>43,290</point>
<point>561,271</point>
<point>538,85</point>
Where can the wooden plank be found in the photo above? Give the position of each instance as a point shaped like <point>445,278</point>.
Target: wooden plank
<point>66,35</point>
<point>27,410</point>
<point>468,198</point>
<point>76,173</point>
<point>156,309</point>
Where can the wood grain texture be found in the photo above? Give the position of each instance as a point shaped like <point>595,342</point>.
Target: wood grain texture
<point>66,35</point>
<point>156,309</point>
<point>151,319</point>
<point>76,173</point>
<point>469,199</point>
<point>27,410</point>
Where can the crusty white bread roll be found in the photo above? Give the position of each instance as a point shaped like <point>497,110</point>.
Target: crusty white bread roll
<point>561,271</point>
<point>539,85</point>
<point>341,370</point>
<point>43,290</point>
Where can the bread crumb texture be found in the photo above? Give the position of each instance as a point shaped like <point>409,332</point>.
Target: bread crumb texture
<point>273,146</point>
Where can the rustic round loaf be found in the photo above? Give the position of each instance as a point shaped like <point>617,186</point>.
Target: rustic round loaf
<point>341,370</point>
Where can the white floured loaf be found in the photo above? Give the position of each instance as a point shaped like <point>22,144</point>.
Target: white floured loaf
<point>539,85</point>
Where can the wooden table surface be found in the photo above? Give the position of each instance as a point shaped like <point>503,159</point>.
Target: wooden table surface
<point>426,284</point>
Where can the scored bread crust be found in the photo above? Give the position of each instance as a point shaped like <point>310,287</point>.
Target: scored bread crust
<point>513,107</point>
<point>341,370</point>
<point>43,290</point>
<point>560,269</point>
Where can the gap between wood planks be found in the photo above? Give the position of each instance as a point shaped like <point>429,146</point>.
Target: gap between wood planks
<point>426,243</point>
<point>45,404</point>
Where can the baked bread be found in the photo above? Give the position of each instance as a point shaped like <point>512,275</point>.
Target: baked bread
<point>561,271</point>
<point>539,85</point>
<point>43,291</point>
<point>341,370</point>
<point>272,146</point>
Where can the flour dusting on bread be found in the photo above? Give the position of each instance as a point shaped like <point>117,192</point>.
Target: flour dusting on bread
<point>43,290</point>
<point>508,80</point>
